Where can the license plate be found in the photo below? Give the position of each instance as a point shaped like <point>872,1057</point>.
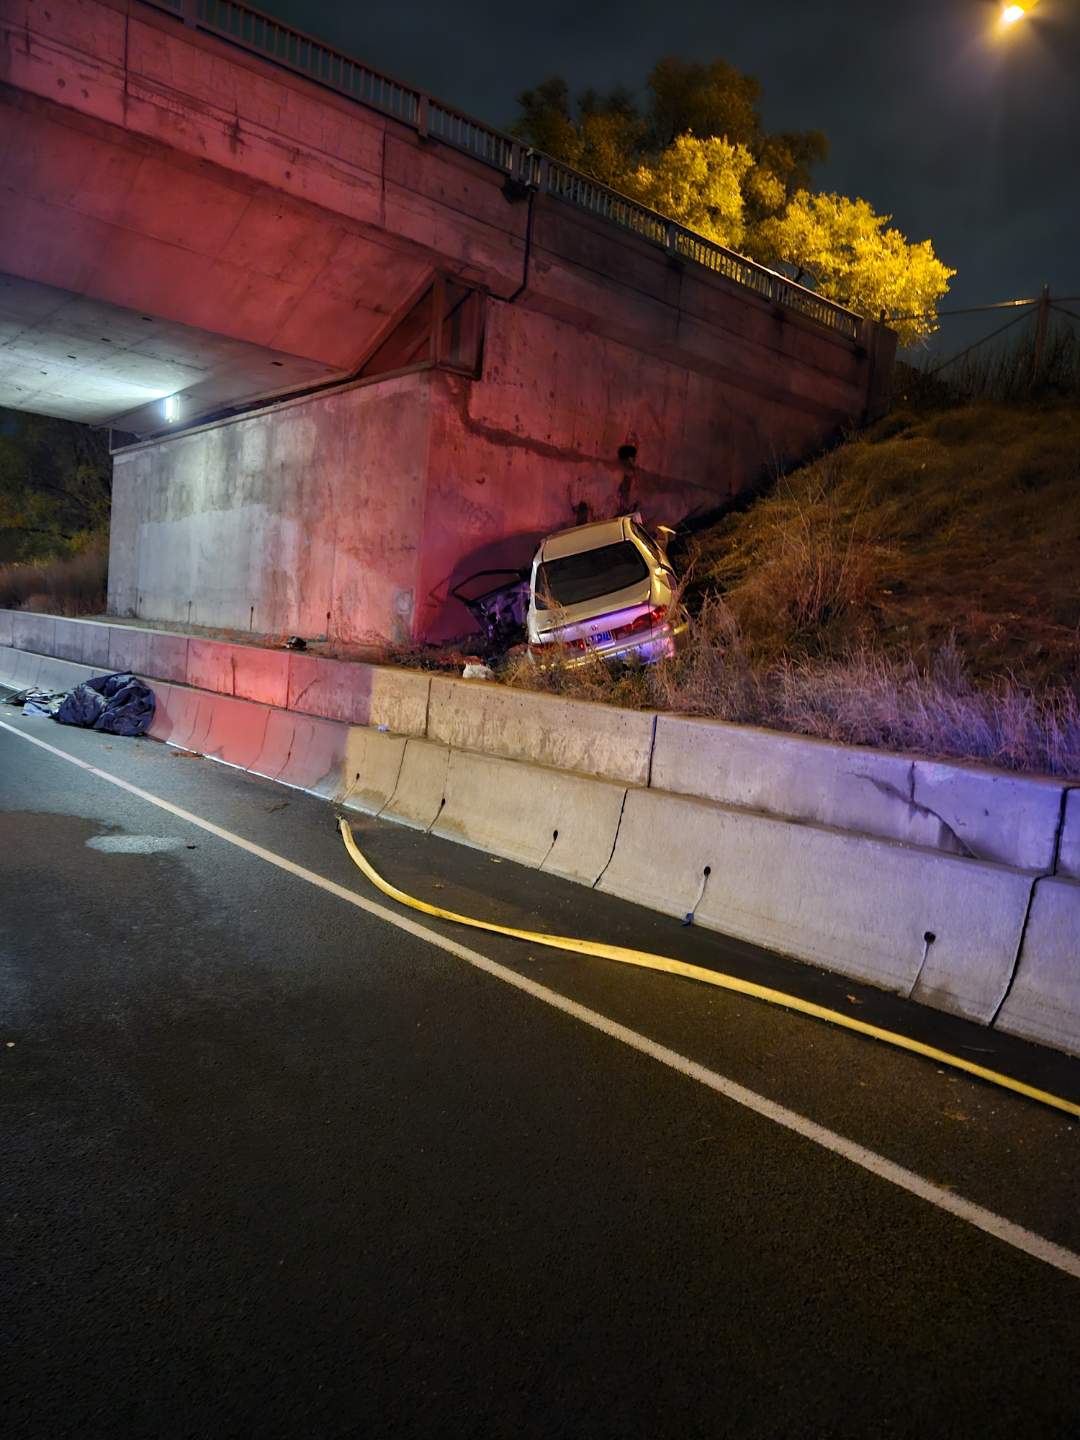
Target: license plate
<point>600,637</point>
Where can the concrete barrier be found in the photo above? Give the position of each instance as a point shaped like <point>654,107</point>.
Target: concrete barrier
<point>245,671</point>
<point>421,785</point>
<point>1008,819</point>
<point>370,769</point>
<point>23,668</point>
<point>1069,850</point>
<point>314,756</point>
<point>552,820</point>
<point>958,809</point>
<point>181,716</point>
<point>1044,1002</point>
<point>843,896</point>
<point>7,627</point>
<point>153,654</point>
<point>360,694</point>
<point>849,903</point>
<point>16,666</point>
<point>546,730</point>
<point>30,631</point>
<point>84,641</point>
<point>235,731</point>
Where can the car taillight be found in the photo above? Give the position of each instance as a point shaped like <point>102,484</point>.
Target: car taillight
<point>646,621</point>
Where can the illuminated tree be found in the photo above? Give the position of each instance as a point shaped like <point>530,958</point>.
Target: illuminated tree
<point>854,256</point>
<point>698,153</point>
<point>700,184</point>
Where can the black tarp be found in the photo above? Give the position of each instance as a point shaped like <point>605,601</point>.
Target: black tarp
<point>120,704</point>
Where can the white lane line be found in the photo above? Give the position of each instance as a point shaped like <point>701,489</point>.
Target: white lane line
<point>1015,1235</point>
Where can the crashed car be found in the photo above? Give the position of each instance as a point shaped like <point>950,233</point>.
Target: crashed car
<point>604,591</point>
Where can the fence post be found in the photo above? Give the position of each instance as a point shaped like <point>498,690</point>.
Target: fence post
<point>1040,336</point>
<point>422,115</point>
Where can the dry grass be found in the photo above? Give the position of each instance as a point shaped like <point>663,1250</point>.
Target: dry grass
<point>74,585</point>
<point>863,697</point>
<point>915,590</point>
<point>961,524</point>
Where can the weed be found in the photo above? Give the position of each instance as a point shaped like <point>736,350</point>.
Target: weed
<point>73,585</point>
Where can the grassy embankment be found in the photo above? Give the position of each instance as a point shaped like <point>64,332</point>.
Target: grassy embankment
<point>917,589</point>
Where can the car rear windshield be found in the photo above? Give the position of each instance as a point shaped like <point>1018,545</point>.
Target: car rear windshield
<point>572,579</point>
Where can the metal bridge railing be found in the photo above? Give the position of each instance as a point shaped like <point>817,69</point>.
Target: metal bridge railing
<point>251,30</point>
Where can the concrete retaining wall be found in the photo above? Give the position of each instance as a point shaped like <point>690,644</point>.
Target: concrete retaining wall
<point>545,729</point>
<point>959,809</point>
<point>378,695</point>
<point>873,865</point>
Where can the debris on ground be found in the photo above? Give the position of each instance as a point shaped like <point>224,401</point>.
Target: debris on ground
<point>477,670</point>
<point>119,704</point>
<point>35,701</point>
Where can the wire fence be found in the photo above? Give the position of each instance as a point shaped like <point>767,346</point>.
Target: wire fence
<point>1040,358</point>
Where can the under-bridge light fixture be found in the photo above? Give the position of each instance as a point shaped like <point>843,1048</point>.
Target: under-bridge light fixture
<point>170,408</point>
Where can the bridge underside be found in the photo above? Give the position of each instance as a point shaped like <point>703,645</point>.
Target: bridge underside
<point>103,364</point>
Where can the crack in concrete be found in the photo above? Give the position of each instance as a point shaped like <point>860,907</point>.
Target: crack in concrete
<point>615,841</point>
<point>1049,874</point>
<point>893,792</point>
<point>1059,832</point>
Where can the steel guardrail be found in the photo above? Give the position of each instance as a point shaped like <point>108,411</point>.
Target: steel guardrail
<point>284,45</point>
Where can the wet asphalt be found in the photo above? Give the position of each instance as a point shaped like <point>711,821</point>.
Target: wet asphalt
<point>272,1166</point>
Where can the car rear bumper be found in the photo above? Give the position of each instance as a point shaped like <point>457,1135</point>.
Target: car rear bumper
<point>659,644</point>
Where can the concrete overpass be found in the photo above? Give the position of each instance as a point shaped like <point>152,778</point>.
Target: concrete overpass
<point>366,342</point>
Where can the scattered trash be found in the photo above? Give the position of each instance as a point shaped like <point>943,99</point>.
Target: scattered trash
<point>33,707</point>
<point>43,701</point>
<point>187,755</point>
<point>477,670</point>
<point>382,729</point>
<point>295,642</point>
<point>119,704</point>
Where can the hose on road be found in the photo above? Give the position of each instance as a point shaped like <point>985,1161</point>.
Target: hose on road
<point>648,961</point>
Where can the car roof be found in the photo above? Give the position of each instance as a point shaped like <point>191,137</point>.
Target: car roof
<point>586,537</point>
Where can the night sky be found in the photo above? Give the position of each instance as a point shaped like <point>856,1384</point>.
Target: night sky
<point>966,134</point>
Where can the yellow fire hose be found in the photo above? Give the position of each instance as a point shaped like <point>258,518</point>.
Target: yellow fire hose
<point>648,961</point>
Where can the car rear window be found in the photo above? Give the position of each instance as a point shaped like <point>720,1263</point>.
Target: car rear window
<point>572,579</point>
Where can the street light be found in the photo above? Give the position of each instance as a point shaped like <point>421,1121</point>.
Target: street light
<point>1010,14</point>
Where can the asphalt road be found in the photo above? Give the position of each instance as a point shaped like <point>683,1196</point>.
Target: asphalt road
<point>273,1166</point>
